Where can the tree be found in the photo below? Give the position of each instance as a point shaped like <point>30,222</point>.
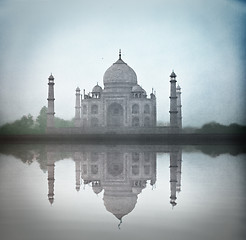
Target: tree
<point>42,119</point>
<point>25,125</point>
<point>61,123</point>
<point>214,127</point>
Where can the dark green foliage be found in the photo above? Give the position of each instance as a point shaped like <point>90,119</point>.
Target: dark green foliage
<point>42,119</point>
<point>26,125</point>
<point>61,123</point>
<point>23,126</point>
<point>214,127</point>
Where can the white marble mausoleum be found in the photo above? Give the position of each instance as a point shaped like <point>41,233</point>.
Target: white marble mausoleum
<point>120,106</point>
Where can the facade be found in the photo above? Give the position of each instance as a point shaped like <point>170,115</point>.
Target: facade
<point>121,104</point>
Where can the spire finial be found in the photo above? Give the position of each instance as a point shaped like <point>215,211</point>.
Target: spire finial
<point>120,54</point>
<point>173,75</point>
<point>51,77</point>
<point>120,223</point>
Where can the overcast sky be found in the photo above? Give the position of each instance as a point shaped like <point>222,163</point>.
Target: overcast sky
<point>202,40</point>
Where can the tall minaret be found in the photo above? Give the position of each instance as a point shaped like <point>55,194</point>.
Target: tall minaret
<point>173,175</point>
<point>77,119</point>
<point>51,99</point>
<point>51,176</point>
<point>173,101</point>
<point>179,106</point>
<point>153,98</point>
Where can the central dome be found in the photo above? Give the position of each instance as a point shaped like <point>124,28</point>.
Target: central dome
<point>119,74</point>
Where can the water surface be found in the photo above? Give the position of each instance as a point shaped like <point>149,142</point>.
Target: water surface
<point>119,192</point>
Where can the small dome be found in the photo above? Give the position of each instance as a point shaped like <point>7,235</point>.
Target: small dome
<point>51,200</point>
<point>121,73</point>
<point>136,190</point>
<point>97,88</point>
<point>86,181</point>
<point>173,203</point>
<point>51,77</point>
<point>152,182</point>
<point>173,75</point>
<point>178,87</point>
<point>77,89</point>
<point>97,189</point>
<point>137,88</point>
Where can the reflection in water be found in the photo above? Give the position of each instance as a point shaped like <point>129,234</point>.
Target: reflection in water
<point>122,176</point>
<point>121,173</point>
<point>175,174</point>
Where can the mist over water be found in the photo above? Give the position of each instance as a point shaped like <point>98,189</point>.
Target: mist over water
<point>122,191</point>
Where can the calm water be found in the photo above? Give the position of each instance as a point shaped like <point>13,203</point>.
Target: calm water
<point>122,192</point>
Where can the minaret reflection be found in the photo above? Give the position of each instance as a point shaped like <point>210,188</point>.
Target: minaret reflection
<point>179,164</point>
<point>122,172</point>
<point>51,176</point>
<point>77,159</point>
<point>175,173</point>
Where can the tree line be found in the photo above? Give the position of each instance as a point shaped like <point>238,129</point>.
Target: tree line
<point>28,125</point>
<point>212,128</point>
<point>217,128</point>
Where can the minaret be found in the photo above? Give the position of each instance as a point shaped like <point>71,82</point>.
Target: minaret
<point>51,177</point>
<point>77,119</point>
<point>173,101</point>
<point>179,106</point>
<point>51,99</point>
<point>173,176</point>
<point>153,98</point>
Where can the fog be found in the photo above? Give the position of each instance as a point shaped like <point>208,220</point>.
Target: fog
<point>203,41</point>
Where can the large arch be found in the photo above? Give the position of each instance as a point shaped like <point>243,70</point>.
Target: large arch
<point>146,108</point>
<point>135,122</point>
<point>94,122</point>
<point>115,116</point>
<point>115,164</point>
<point>94,109</point>
<point>135,109</point>
<point>147,122</point>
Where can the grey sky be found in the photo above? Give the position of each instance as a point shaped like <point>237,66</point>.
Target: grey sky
<point>203,41</point>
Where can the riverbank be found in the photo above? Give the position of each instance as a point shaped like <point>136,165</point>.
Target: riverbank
<point>183,139</point>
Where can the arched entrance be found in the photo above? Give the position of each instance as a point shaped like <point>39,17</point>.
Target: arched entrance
<point>115,115</point>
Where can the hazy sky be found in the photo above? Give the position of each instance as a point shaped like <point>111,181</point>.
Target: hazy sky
<point>202,40</point>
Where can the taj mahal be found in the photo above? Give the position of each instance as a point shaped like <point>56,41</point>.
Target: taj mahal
<point>122,106</point>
